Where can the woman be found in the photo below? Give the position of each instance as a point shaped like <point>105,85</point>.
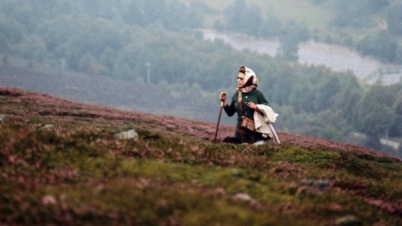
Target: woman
<point>244,103</point>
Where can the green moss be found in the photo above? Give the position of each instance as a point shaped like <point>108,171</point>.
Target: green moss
<point>310,157</point>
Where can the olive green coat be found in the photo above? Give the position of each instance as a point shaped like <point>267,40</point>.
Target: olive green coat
<point>255,96</point>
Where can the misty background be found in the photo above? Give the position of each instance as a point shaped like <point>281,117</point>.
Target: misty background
<point>330,68</point>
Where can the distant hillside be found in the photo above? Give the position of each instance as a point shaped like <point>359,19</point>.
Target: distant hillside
<point>60,164</point>
<point>108,91</point>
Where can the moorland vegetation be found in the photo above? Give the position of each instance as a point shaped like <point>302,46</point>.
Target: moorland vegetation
<point>97,52</point>
<point>75,172</point>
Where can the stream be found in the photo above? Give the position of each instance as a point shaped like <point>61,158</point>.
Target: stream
<point>337,58</point>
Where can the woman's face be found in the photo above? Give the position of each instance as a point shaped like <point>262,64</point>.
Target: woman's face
<point>240,79</point>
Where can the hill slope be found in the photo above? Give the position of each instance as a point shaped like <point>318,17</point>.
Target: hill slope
<point>76,173</point>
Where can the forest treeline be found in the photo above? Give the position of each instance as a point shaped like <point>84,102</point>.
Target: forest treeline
<point>384,44</point>
<point>36,29</point>
<point>121,39</point>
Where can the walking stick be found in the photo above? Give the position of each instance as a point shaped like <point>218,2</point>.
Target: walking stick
<point>219,119</point>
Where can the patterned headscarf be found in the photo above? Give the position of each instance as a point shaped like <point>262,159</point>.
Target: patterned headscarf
<point>250,82</point>
<point>250,78</point>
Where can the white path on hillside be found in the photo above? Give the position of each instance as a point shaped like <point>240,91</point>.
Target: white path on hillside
<point>390,143</point>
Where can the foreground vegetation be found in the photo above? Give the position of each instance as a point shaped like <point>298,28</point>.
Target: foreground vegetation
<point>76,173</point>
<point>110,44</point>
<point>83,176</point>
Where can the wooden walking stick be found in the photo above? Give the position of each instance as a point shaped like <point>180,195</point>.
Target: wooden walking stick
<point>219,119</point>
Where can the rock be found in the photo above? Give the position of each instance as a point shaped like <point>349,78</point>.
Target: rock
<point>319,184</point>
<point>130,134</point>
<point>348,220</point>
<point>48,200</point>
<point>243,197</point>
<point>2,118</point>
<point>48,127</point>
<point>258,143</point>
<point>322,184</point>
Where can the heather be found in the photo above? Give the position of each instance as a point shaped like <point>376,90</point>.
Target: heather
<point>156,56</point>
<point>77,173</point>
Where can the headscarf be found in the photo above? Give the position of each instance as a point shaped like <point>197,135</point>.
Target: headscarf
<point>250,82</point>
<point>250,78</point>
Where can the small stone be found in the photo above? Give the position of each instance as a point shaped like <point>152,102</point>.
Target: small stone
<point>48,127</point>
<point>2,118</point>
<point>130,134</point>
<point>258,143</point>
<point>243,197</point>
<point>322,184</point>
<point>48,200</point>
<point>319,184</point>
<point>348,220</point>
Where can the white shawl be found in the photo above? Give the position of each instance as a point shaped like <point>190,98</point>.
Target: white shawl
<point>263,123</point>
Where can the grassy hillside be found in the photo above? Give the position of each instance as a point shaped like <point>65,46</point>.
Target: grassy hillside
<point>76,173</point>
